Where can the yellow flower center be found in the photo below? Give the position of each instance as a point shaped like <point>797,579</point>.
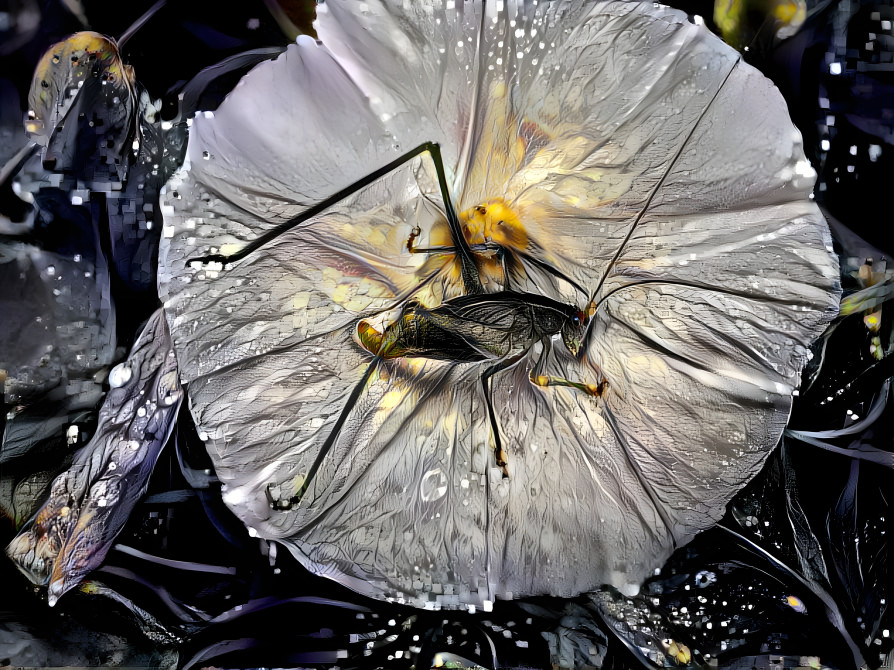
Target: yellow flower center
<point>494,222</point>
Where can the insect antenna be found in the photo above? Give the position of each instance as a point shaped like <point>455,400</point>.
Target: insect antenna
<point>639,217</point>
<point>471,282</point>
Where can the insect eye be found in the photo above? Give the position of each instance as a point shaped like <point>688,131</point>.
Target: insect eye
<point>575,320</point>
<point>481,210</point>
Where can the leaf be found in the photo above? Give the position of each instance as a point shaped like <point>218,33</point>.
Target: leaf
<point>82,89</point>
<point>90,502</point>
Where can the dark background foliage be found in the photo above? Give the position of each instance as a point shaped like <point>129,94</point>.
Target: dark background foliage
<point>798,569</point>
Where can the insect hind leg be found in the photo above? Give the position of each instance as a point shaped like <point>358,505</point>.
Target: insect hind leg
<point>469,275</point>
<point>279,504</point>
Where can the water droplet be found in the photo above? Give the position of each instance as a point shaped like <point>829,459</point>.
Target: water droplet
<point>120,375</point>
<point>705,578</point>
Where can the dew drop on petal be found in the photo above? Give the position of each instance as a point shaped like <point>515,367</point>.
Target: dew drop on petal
<point>120,375</point>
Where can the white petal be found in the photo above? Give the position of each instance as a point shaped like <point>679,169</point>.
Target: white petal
<point>294,131</point>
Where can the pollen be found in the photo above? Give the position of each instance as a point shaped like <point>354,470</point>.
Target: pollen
<point>494,222</point>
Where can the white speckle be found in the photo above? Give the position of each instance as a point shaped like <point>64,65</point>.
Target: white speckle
<point>233,497</point>
<point>77,200</point>
<point>27,196</point>
<point>120,375</point>
<point>630,590</point>
<point>825,145</point>
<point>875,151</point>
<point>72,434</point>
<point>835,68</point>
<point>252,532</point>
<point>488,606</point>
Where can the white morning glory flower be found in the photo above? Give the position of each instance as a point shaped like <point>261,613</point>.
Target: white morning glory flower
<point>642,174</point>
